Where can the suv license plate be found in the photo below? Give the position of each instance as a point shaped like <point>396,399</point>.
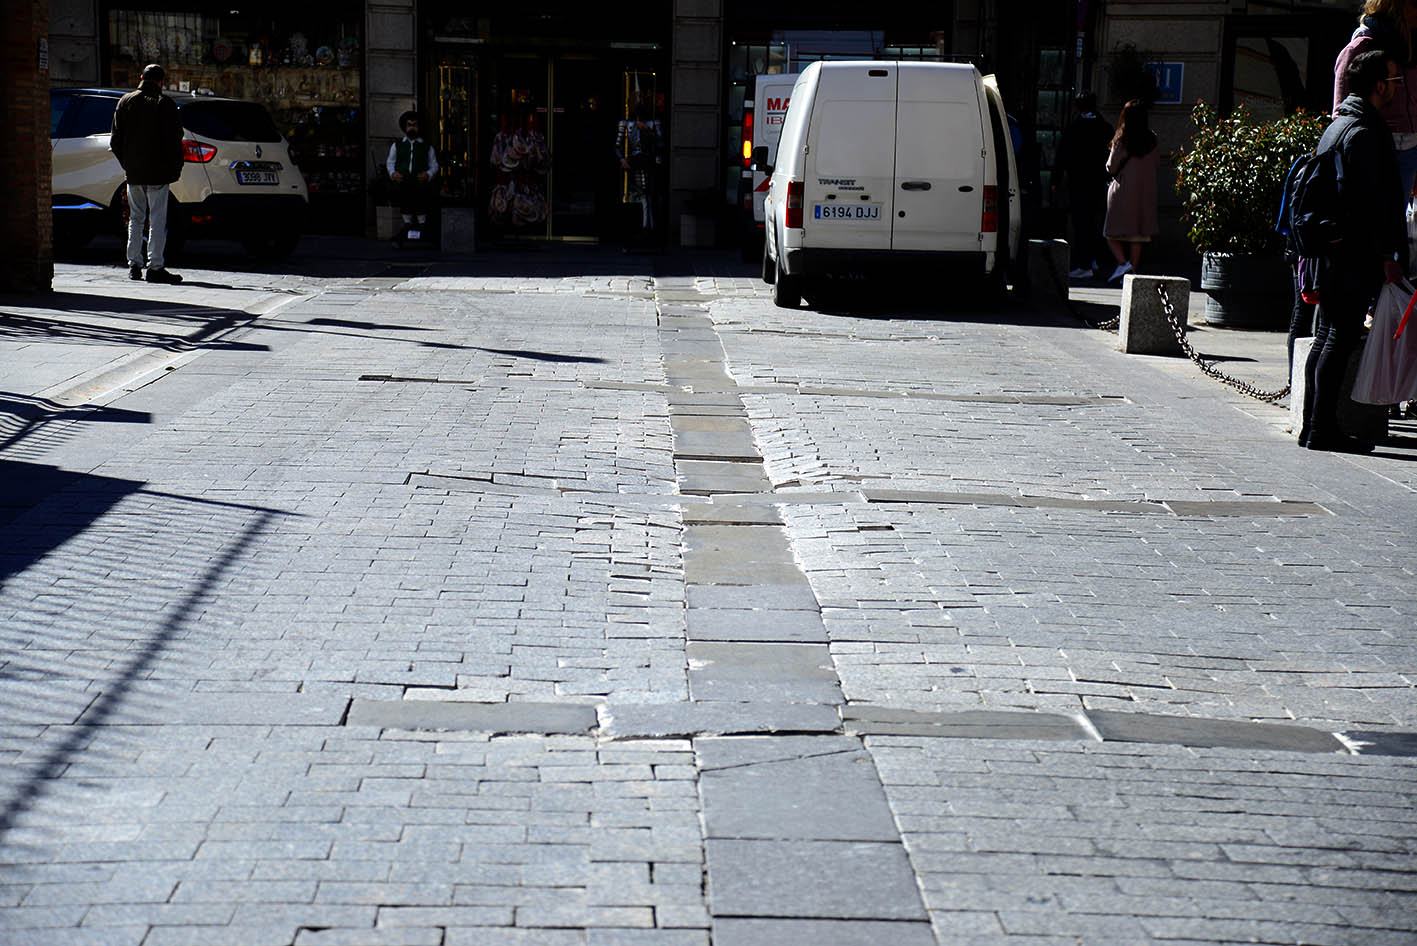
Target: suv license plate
<point>861,213</point>
<point>257,177</point>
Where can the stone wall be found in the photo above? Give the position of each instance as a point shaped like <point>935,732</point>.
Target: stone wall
<point>73,43</point>
<point>26,258</point>
<point>695,110</point>
<point>390,75</point>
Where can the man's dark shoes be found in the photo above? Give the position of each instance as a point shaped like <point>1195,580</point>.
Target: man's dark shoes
<point>1339,443</point>
<point>135,272</point>
<point>162,275</point>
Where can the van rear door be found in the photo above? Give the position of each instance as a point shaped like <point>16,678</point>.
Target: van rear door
<point>939,173</point>
<point>1010,189</point>
<point>848,201</point>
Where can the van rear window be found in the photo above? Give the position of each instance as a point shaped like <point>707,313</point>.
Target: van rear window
<point>854,139</point>
<point>229,121</point>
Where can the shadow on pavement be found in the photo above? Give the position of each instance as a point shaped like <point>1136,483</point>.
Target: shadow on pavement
<point>28,425</point>
<point>67,670</point>
<point>58,330</point>
<point>366,326</point>
<point>543,356</point>
<point>28,485</point>
<point>92,303</point>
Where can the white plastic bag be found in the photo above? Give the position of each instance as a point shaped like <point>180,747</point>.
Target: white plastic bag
<point>1387,373</point>
<point>1412,237</point>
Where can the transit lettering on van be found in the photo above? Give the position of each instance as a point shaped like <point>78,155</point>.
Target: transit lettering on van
<point>905,167</point>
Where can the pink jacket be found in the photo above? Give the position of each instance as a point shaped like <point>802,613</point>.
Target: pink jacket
<point>1401,114</point>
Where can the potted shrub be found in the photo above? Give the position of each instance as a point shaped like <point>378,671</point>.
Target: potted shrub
<point>1230,181</point>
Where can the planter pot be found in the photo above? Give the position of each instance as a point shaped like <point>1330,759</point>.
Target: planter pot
<point>1247,291</point>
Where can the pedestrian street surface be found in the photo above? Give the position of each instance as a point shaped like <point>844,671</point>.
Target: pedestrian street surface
<point>509,603</point>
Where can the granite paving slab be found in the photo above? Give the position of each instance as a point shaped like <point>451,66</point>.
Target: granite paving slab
<point>726,513</point>
<point>967,724</point>
<point>520,717</point>
<point>779,596</point>
<point>817,879</point>
<point>1186,731</point>
<point>797,673</point>
<point>700,718</point>
<point>829,792</point>
<point>765,625</point>
<point>735,931</point>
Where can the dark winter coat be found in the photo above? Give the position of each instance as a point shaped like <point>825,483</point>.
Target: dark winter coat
<point>1374,222</point>
<point>147,136</point>
<point>1082,154</point>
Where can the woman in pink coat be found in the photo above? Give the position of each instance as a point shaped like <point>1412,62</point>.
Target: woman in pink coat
<point>1133,163</point>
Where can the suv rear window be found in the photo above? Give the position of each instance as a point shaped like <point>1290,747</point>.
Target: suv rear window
<point>230,121</point>
<point>93,115</point>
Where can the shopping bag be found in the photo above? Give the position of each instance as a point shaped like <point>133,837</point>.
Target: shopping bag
<point>1387,372</point>
<point>1412,237</point>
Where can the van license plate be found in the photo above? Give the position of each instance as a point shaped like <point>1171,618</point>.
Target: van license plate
<point>864,213</point>
<point>257,177</point>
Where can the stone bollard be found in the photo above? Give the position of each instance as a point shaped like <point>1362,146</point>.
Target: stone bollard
<point>1367,422</point>
<point>1048,270</point>
<point>1145,329</point>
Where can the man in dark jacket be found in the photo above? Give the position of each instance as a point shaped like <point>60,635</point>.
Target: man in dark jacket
<point>1082,157</point>
<point>147,139</point>
<point>1372,250</point>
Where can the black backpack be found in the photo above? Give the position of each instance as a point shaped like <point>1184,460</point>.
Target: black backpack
<point>1311,212</point>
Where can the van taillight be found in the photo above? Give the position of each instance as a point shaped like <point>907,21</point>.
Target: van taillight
<point>747,138</point>
<point>794,204</point>
<point>990,221</point>
<point>197,152</point>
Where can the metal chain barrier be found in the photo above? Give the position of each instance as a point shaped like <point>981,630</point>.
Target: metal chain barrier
<point>1060,284</point>
<point>1208,367</point>
<point>1244,387</point>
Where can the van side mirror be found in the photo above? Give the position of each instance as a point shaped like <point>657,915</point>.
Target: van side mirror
<point>760,159</point>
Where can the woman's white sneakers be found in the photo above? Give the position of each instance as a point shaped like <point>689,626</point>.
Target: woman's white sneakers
<point>1121,270</point>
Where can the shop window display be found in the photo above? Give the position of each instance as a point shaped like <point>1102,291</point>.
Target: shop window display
<point>305,69</point>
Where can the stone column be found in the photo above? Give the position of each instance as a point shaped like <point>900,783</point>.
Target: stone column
<point>390,74</point>
<point>73,43</point>
<point>695,111</point>
<point>26,255</point>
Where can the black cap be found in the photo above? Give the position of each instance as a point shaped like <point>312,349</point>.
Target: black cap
<point>153,71</point>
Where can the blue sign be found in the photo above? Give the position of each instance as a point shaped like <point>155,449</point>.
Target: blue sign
<point>1170,76</point>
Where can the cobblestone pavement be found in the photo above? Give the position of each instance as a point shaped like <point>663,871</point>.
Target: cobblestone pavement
<point>593,600</point>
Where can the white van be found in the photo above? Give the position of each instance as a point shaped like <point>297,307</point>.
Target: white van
<point>902,166</point>
<point>763,114</point>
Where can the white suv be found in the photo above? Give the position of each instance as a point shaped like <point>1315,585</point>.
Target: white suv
<point>238,181</point>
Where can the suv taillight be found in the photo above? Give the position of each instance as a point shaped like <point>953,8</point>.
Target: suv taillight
<point>989,223</point>
<point>794,204</point>
<point>197,152</point>
<point>747,138</point>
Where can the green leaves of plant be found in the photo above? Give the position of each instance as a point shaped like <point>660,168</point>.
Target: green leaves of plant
<point>1231,177</point>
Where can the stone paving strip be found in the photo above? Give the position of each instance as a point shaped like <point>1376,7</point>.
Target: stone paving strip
<point>782,840</point>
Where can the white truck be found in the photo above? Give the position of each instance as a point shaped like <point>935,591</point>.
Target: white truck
<point>899,167</point>
<point>764,110</point>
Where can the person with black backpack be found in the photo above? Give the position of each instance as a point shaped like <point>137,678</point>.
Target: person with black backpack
<point>1367,245</point>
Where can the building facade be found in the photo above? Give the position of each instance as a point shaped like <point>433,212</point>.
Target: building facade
<point>525,102</point>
